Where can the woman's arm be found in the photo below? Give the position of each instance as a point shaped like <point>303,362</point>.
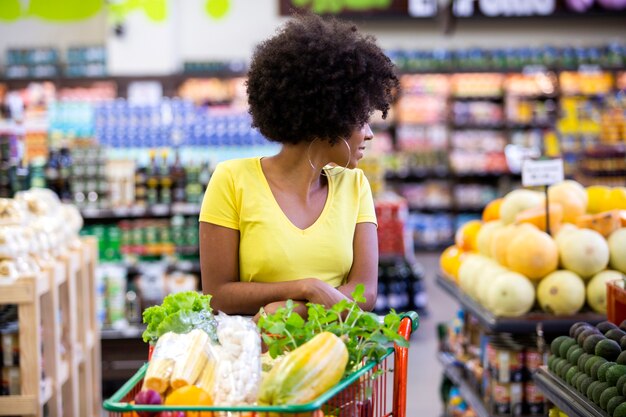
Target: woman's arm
<point>219,264</point>
<point>364,264</point>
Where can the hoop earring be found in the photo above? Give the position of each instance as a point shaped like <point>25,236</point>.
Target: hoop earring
<point>326,171</point>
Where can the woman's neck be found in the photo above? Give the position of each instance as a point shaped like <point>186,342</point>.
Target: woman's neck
<point>291,168</point>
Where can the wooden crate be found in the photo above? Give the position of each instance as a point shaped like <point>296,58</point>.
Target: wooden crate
<point>69,342</point>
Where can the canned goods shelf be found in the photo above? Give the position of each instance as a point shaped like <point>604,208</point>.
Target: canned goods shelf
<point>564,397</point>
<point>525,324</point>
<point>452,369</point>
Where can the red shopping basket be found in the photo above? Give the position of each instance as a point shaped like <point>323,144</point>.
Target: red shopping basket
<point>365,393</point>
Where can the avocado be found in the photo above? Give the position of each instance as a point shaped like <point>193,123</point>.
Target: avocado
<point>585,384</point>
<point>565,345</point>
<point>622,343</point>
<point>581,361</point>
<point>551,359</point>
<point>622,325</point>
<point>620,384</point>
<point>614,373</point>
<point>603,369</point>
<point>615,334</point>
<point>573,354</point>
<point>595,367</point>
<point>556,344</point>
<point>575,327</point>
<point>608,349</point>
<point>582,328</point>
<point>591,362</point>
<point>613,403</point>
<point>589,345</point>
<point>605,326</point>
<point>580,339</point>
<point>606,395</point>
<point>598,390</point>
<point>579,380</point>
<point>569,375</point>
<point>620,410</point>
<point>621,359</point>
<point>590,388</point>
<point>565,369</point>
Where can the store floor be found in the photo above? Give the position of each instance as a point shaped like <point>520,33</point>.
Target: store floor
<point>425,372</point>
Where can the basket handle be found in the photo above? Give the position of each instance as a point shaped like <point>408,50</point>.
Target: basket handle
<point>409,324</point>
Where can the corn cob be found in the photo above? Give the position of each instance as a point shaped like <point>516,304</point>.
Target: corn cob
<point>162,363</point>
<point>192,360</point>
<point>206,381</point>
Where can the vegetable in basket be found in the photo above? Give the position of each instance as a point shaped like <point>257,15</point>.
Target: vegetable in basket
<point>180,313</point>
<point>306,373</point>
<point>366,337</point>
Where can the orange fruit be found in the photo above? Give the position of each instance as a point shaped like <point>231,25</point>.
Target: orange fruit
<point>193,396</point>
<point>492,210</point>
<point>465,237</point>
<point>450,261</point>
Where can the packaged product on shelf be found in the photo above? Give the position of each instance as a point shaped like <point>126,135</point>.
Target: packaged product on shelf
<point>507,398</point>
<point>534,401</point>
<point>11,380</point>
<point>9,344</point>
<point>505,361</point>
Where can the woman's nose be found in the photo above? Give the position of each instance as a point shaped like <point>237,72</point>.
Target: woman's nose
<point>367,131</point>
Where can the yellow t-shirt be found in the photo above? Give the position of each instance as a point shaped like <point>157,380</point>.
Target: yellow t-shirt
<point>271,247</point>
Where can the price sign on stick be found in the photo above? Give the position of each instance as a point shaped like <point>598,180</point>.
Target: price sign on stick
<point>543,171</point>
<point>537,172</point>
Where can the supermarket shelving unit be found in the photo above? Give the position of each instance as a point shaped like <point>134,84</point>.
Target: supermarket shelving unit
<point>564,397</point>
<point>550,324</point>
<point>71,386</point>
<point>453,370</point>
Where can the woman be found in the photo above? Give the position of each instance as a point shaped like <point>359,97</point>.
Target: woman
<point>288,226</point>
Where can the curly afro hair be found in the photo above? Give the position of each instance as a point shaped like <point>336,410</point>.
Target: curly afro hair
<point>317,78</point>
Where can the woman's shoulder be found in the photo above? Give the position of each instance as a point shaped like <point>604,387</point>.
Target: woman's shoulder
<point>239,166</point>
<point>351,177</point>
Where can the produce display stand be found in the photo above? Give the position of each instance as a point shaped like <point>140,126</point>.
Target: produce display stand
<point>363,393</point>
<point>531,322</point>
<point>71,386</point>
<point>564,397</point>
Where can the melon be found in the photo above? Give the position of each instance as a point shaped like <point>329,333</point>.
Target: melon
<point>486,278</point>
<point>469,270</point>
<point>560,235</point>
<point>511,295</point>
<point>532,253</point>
<point>502,238</point>
<point>537,217</point>
<point>617,248</point>
<point>584,252</point>
<point>596,289</point>
<point>517,201</point>
<point>577,188</point>
<point>604,223</point>
<point>561,293</point>
<point>574,205</point>
<point>485,236</point>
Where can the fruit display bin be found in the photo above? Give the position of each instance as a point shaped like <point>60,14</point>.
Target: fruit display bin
<point>364,393</point>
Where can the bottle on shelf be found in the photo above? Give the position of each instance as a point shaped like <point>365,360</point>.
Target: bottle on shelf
<point>165,183</point>
<point>178,176</point>
<point>152,180</point>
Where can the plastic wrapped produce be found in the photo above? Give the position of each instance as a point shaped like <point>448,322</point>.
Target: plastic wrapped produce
<point>161,366</point>
<point>193,360</point>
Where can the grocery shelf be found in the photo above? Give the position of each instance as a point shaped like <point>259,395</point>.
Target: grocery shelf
<point>478,126</point>
<point>525,324</point>
<point>434,247</point>
<point>564,397</point>
<point>20,405</point>
<point>452,369</point>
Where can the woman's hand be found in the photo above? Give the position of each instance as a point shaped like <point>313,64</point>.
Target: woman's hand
<point>320,292</point>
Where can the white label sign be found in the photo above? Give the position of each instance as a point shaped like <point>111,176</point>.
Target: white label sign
<point>542,172</point>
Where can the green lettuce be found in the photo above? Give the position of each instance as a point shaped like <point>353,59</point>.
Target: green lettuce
<point>180,313</point>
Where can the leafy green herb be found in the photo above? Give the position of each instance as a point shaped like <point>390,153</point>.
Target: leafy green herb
<point>179,313</point>
<point>364,335</point>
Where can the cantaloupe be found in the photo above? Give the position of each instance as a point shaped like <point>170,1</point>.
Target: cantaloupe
<point>561,293</point>
<point>596,289</point>
<point>511,295</point>
<point>537,217</point>
<point>584,252</point>
<point>517,201</point>
<point>485,236</point>
<point>577,188</point>
<point>574,205</point>
<point>532,253</point>
<point>617,249</point>
<point>502,238</point>
<point>604,223</point>
<point>561,234</point>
